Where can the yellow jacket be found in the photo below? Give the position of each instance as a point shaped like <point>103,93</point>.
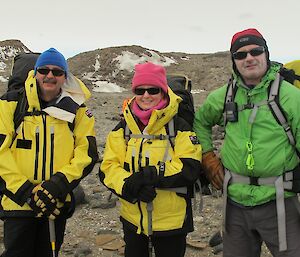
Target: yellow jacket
<point>294,65</point>
<point>45,146</point>
<point>171,212</point>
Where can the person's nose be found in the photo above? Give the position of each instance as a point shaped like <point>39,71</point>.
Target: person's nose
<point>249,56</point>
<point>146,94</point>
<point>50,74</point>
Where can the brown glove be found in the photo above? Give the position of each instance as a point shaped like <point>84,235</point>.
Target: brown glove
<point>214,169</point>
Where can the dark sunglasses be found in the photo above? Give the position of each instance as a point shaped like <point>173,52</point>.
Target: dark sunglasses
<point>253,52</point>
<point>55,72</point>
<point>151,90</point>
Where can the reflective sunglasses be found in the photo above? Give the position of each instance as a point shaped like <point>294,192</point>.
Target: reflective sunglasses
<point>253,52</point>
<point>55,72</point>
<point>151,90</point>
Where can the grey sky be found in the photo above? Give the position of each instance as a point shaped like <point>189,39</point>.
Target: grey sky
<point>191,26</point>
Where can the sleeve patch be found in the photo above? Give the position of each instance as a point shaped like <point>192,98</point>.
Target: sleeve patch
<point>194,140</point>
<point>89,113</point>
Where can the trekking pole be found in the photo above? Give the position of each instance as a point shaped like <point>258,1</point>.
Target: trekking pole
<point>150,232</point>
<point>52,235</point>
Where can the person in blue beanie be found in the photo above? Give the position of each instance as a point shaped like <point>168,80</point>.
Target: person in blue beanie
<point>45,158</point>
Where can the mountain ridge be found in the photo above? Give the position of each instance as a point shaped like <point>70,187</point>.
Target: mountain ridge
<point>116,64</point>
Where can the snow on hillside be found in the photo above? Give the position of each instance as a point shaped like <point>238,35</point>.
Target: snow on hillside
<point>126,61</point>
<point>107,87</point>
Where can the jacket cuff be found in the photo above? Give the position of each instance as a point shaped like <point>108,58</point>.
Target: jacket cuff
<point>23,193</point>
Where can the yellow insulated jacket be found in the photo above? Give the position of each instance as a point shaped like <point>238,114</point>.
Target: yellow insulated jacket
<point>171,211</point>
<point>294,65</point>
<point>45,146</point>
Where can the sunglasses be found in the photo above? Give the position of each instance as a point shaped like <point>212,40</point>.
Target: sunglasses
<point>151,90</point>
<point>253,52</point>
<point>55,72</point>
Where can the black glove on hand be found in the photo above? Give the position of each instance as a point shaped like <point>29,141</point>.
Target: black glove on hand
<point>133,184</point>
<point>150,175</point>
<point>43,204</point>
<point>49,205</point>
<point>52,189</point>
<point>36,209</point>
<point>147,194</point>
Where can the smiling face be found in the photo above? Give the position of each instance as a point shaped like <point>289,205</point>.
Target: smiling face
<point>50,85</point>
<point>148,100</point>
<point>251,68</point>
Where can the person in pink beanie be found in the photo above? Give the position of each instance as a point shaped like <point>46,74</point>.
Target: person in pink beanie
<point>152,177</point>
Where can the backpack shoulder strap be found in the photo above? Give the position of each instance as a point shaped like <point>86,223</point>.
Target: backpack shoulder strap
<point>20,111</point>
<point>21,108</point>
<point>171,131</point>
<point>229,96</point>
<point>274,104</point>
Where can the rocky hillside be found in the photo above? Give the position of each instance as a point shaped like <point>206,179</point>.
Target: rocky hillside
<point>115,65</point>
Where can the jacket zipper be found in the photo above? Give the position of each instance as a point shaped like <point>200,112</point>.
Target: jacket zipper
<point>44,148</point>
<point>139,167</point>
<point>37,150</point>
<point>52,150</point>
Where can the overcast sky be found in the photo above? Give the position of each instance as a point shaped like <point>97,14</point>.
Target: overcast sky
<point>190,26</point>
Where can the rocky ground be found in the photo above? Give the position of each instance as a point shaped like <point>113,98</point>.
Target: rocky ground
<point>95,229</point>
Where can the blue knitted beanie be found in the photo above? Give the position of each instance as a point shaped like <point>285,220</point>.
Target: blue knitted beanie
<point>51,57</point>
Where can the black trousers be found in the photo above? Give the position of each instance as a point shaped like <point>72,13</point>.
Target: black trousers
<point>164,246</point>
<point>29,237</point>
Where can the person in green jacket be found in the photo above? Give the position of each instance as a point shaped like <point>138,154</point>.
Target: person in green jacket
<point>256,155</point>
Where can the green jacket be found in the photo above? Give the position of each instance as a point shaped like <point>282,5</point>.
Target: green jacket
<point>272,152</point>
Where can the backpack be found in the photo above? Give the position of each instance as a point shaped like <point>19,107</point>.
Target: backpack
<point>291,72</point>
<point>230,110</point>
<point>182,86</point>
<point>22,64</point>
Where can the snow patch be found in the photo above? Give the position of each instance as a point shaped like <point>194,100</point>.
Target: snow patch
<point>97,64</point>
<point>127,60</point>
<point>2,66</point>
<point>2,79</point>
<point>107,87</point>
<point>197,91</point>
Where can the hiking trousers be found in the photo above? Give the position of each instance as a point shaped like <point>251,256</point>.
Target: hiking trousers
<point>29,237</point>
<point>247,228</point>
<point>164,246</point>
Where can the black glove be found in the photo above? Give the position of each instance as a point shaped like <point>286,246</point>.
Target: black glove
<point>43,203</point>
<point>52,189</point>
<point>133,184</point>
<point>150,175</point>
<point>147,194</point>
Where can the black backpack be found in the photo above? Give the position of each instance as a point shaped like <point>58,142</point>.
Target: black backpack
<point>22,64</point>
<point>182,86</point>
